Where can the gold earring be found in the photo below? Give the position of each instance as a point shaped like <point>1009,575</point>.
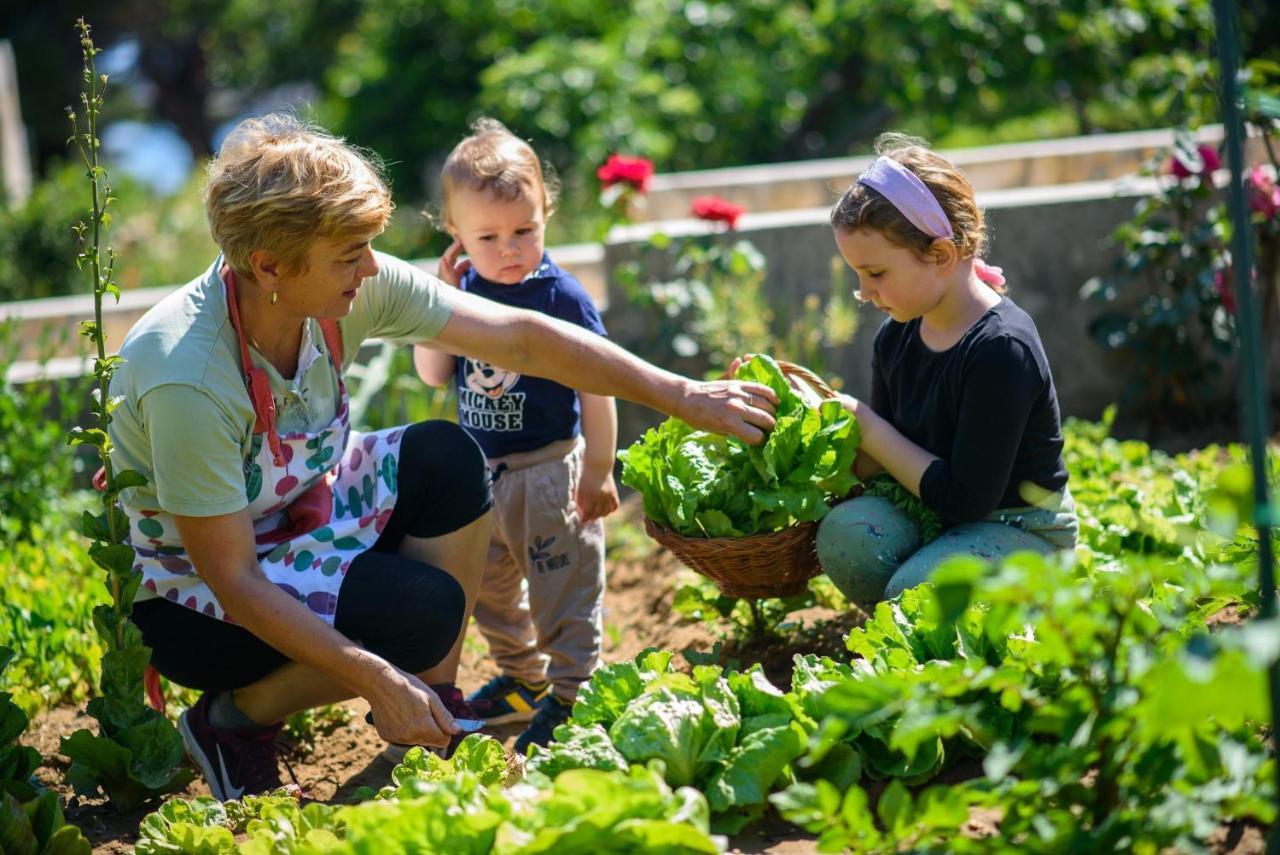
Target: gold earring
<point>275,297</point>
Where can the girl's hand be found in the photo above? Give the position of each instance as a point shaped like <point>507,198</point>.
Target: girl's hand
<point>410,713</point>
<point>851,404</point>
<point>735,365</point>
<point>597,494</point>
<point>451,269</point>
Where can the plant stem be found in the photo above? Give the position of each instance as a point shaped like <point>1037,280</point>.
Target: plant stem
<point>89,152</point>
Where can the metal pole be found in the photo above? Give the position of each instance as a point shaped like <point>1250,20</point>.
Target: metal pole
<point>1254,397</point>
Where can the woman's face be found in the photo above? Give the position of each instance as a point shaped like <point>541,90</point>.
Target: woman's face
<point>336,266</point>
<point>503,239</point>
<point>893,278</point>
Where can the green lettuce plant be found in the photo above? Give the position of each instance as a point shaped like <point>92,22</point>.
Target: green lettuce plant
<point>708,485</point>
<point>457,805</point>
<point>730,734</point>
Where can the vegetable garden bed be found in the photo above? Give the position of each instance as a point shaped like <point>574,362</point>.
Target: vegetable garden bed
<point>1115,703</point>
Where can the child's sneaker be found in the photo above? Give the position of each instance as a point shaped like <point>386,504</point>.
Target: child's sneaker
<point>234,762</point>
<point>504,700</point>
<point>553,711</point>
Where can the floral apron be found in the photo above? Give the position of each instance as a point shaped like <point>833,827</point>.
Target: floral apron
<point>318,500</point>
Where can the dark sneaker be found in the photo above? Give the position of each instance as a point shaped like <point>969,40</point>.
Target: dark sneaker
<point>504,700</point>
<point>457,705</point>
<point>553,711</point>
<point>234,762</point>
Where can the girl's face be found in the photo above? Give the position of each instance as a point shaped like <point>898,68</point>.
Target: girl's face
<point>893,278</point>
<point>504,239</point>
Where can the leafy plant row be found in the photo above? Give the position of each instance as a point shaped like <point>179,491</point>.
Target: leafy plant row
<point>1085,710</point>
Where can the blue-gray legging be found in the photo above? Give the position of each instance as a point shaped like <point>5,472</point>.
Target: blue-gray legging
<point>872,550</point>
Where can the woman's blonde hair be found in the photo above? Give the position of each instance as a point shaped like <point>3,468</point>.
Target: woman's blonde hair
<point>493,160</point>
<point>278,183</point>
<point>864,208</point>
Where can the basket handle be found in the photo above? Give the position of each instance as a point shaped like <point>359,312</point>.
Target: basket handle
<point>798,372</point>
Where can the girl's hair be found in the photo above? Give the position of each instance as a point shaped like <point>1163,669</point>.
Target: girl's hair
<point>278,183</point>
<point>494,160</point>
<point>863,208</point>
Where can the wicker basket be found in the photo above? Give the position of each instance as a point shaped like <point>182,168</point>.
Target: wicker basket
<point>777,564</point>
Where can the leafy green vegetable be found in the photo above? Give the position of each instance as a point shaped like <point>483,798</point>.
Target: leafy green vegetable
<point>707,485</point>
<point>730,734</point>
<point>449,806</point>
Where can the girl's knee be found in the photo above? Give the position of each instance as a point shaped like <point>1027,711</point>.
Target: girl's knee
<point>860,544</point>
<point>986,540</point>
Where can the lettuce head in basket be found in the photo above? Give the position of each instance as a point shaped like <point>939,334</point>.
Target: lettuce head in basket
<point>702,484</point>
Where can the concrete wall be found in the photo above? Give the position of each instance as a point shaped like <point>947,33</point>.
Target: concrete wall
<point>815,183</point>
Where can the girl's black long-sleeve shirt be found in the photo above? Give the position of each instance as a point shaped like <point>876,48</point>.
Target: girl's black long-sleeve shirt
<point>986,407</point>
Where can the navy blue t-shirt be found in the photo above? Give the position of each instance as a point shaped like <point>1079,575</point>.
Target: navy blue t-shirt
<point>507,412</point>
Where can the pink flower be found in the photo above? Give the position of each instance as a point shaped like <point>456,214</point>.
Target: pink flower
<point>1264,195</point>
<point>716,210</point>
<point>1222,287</point>
<point>1208,156</point>
<point>623,169</point>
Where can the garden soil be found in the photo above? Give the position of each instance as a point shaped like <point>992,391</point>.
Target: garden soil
<point>638,614</point>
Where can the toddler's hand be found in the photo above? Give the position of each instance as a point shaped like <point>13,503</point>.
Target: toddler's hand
<point>451,269</point>
<point>597,495</point>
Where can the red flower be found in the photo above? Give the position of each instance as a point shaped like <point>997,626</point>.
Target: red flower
<point>623,169</point>
<point>717,210</point>
<point>1222,287</point>
<point>1264,195</point>
<point>1209,163</point>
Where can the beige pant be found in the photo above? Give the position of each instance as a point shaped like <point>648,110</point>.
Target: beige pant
<point>542,595</point>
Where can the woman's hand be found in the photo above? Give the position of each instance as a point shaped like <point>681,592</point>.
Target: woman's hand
<point>409,713</point>
<point>450,269</point>
<point>742,409</point>
<point>597,494</point>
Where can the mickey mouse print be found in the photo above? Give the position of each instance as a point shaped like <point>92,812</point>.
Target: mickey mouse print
<point>486,401</point>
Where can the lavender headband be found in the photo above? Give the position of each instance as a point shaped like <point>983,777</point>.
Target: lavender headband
<point>906,192</point>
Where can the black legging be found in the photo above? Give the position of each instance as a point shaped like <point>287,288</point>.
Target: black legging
<point>405,611</point>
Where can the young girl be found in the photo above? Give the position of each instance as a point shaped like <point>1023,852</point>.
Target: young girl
<point>550,449</point>
<point>963,411</point>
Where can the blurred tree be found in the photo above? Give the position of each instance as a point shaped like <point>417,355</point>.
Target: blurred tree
<point>187,50</point>
<point>406,80</point>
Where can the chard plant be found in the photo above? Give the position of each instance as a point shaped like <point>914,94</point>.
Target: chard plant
<point>135,755</point>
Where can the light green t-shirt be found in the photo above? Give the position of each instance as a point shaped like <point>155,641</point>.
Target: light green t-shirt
<point>186,421</point>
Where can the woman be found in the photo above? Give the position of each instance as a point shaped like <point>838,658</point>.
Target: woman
<point>288,562</point>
